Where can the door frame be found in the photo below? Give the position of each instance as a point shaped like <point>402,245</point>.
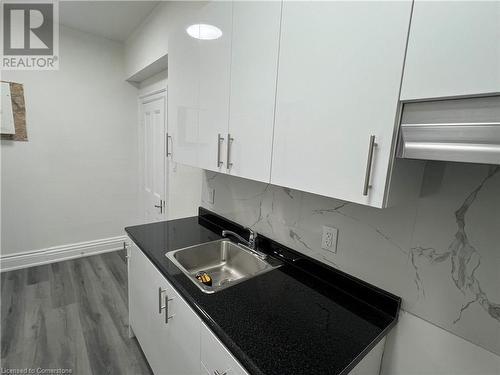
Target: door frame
<point>141,100</point>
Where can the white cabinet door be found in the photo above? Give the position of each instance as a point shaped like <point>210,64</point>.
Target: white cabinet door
<point>254,59</point>
<point>339,77</point>
<point>215,58</point>
<point>171,346</point>
<point>453,49</point>
<point>183,84</point>
<point>182,347</point>
<point>215,358</point>
<point>144,282</point>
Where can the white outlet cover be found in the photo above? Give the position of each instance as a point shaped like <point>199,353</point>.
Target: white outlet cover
<point>211,195</point>
<point>329,238</point>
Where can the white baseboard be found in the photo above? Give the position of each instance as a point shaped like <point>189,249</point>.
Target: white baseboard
<point>59,253</point>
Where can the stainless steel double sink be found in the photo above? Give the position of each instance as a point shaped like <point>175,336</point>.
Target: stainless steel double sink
<point>226,262</point>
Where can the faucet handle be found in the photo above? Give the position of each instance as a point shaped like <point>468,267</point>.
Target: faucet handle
<point>252,233</point>
<point>251,237</point>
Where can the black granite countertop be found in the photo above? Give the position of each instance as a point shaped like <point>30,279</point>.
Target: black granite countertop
<point>301,318</point>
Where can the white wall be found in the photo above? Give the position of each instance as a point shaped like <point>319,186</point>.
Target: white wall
<point>416,347</point>
<point>76,178</point>
<point>153,84</point>
<point>184,190</point>
<point>146,49</point>
<point>149,42</point>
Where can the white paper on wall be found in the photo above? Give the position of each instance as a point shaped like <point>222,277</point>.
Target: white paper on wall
<point>6,114</point>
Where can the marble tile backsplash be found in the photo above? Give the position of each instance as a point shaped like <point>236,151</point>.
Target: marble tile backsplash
<point>440,252</point>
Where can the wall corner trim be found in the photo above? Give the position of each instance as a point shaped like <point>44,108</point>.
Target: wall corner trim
<point>60,253</point>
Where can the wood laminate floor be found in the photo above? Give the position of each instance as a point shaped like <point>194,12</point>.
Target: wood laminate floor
<point>70,315</point>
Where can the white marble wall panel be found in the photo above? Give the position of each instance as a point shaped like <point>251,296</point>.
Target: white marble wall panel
<point>439,252</point>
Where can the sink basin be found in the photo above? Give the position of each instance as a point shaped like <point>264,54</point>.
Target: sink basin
<point>224,261</point>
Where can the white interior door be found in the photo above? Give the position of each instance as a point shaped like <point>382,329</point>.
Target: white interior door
<point>154,157</point>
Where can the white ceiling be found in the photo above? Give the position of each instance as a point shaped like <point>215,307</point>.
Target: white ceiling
<point>114,20</point>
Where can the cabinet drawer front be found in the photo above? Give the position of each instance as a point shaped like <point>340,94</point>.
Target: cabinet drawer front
<point>215,358</point>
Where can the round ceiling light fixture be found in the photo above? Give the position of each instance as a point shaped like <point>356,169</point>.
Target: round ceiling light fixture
<point>204,32</point>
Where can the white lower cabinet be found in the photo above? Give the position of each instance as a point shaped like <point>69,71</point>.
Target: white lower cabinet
<point>215,358</point>
<point>167,329</point>
<point>173,337</point>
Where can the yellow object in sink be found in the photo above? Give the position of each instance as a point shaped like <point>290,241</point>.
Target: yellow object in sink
<point>204,278</point>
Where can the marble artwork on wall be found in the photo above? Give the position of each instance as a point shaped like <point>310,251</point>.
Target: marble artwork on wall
<point>440,251</point>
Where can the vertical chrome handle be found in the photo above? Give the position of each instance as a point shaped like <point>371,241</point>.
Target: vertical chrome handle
<point>160,294</point>
<point>228,162</point>
<point>160,206</point>
<point>167,317</point>
<point>369,161</point>
<point>169,153</point>
<point>219,139</point>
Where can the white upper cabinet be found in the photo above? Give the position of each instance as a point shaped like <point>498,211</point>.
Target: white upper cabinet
<point>453,49</point>
<point>183,87</point>
<point>215,62</point>
<point>199,73</point>
<point>222,84</point>
<point>339,78</point>
<point>254,59</point>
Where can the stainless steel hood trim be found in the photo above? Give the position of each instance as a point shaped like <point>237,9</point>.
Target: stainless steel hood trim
<point>469,153</point>
<point>463,131</point>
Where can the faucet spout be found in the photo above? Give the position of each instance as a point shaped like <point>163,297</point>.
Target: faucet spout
<point>226,233</point>
<point>250,244</point>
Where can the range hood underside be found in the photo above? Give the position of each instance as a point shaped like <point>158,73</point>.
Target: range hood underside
<point>461,130</point>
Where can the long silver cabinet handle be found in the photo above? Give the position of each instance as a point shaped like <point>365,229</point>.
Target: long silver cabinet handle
<point>229,141</point>
<point>169,153</point>
<point>167,317</point>
<point>369,161</point>
<point>219,140</point>
<point>160,295</point>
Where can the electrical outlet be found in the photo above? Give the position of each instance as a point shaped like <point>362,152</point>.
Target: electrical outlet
<point>329,239</point>
<point>211,195</point>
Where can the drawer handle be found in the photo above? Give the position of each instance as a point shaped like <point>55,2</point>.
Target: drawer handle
<point>160,294</point>
<point>216,372</point>
<point>219,139</point>
<point>168,152</point>
<point>228,162</point>
<point>369,161</point>
<point>167,317</point>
